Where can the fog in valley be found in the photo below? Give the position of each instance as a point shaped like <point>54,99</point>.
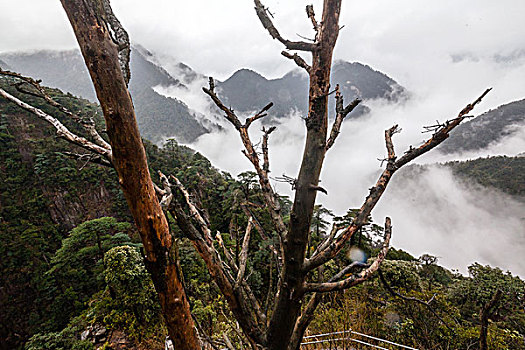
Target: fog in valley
<point>432,211</point>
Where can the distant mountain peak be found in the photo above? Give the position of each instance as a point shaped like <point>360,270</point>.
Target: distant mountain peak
<point>245,74</point>
<point>247,90</point>
<point>296,73</point>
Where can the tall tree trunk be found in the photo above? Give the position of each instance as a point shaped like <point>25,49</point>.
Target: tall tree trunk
<point>288,304</point>
<point>129,159</point>
<point>485,313</point>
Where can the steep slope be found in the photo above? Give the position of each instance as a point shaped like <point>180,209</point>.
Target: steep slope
<point>44,194</point>
<point>159,117</point>
<point>247,90</point>
<point>489,127</point>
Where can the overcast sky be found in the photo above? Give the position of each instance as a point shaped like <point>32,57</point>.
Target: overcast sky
<point>424,45</point>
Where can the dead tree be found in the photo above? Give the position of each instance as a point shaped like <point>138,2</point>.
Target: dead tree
<point>105,48</point>
<point>284,326</point>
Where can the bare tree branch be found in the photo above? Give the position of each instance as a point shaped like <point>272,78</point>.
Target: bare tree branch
<point>230,115</point>
<point>195,214</point>
<point>227,253</point>
<point>266,159</point>
<point>354,280</point>
<point>341,113</point>
<point>237,291</point>
<point>262,113</point>
<point>441,135</point>
<point>167,195</point>
<point>243,258</point>
<point>311,14</point>
<point>262,13</point>
<point>87,123</point>
<point>377,191</point>
<point>298,60</point>
<point>278,256</point>
<point>270,198</point>
<point>61,129</point>
<point>240,299</point>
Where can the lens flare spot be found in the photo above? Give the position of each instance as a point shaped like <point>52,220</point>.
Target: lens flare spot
<point>357,254</point>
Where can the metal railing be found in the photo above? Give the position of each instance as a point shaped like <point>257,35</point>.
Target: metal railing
<point>328,338</point>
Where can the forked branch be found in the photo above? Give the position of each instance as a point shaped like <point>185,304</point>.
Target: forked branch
<point>87,123</point>
<point>263,14</point>
<point>341,113</point>
<point>270,198</point>
<point>377,191</point>
<point>298,60</point>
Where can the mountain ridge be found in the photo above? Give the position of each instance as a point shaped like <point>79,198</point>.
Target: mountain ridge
<point>158,116</point>
<point>489,127</point>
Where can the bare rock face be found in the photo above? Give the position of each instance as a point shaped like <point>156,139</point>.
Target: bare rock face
<point>101,337</point>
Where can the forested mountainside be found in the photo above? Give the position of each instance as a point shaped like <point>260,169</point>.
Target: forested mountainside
<point>247,90</point>
<point>486,128</point>
<point>159,117</point>
<point>73,276</point>
<point>43,195</point>
<point>506,174</point>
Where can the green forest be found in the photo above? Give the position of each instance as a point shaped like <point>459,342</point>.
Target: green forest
<point>73,275</point>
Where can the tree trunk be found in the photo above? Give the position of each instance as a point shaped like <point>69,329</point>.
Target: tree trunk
<point>485,313</point>
<point>288,304</point>
<point>129,159</point>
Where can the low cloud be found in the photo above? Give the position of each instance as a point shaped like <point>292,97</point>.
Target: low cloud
<point>433,212</point>
<point>460,222</point>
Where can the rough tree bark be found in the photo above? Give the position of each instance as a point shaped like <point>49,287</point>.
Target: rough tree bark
<point>100,50</point>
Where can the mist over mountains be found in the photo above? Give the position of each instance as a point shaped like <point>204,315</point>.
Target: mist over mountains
<point>158,116</point>
<point>492,126</point>
<point>162,115</point>
<point>169,103</point>
<point>247,90</point>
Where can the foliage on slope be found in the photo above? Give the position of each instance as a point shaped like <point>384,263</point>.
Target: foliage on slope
<point>507,174</point>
